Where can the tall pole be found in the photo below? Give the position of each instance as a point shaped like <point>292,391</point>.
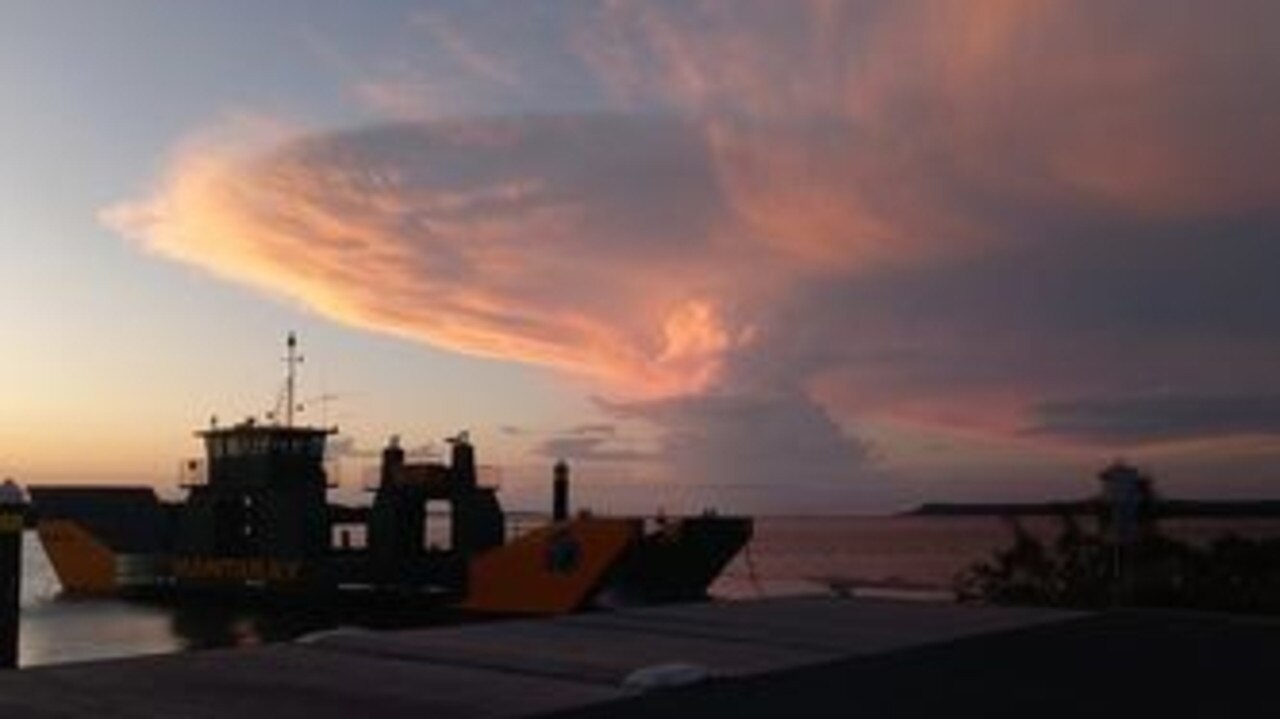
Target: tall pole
<point>13,505</point>
<point>292,359</point>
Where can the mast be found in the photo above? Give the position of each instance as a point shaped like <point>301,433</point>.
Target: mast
<point>292,359</point>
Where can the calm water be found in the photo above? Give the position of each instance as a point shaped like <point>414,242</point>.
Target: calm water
<point>900,556</point>
<point>914,557</point>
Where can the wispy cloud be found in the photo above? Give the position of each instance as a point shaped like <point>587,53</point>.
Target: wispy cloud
<point>592,448</point>
<point>1158,418</point>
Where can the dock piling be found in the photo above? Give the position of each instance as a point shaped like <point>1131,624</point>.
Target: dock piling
<point>13,505</point>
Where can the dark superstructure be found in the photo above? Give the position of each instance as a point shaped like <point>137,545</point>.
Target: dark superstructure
<point>259,520</point>
<point>264,495</point>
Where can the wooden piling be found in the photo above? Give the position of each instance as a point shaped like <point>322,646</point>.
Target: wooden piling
<point>13,507</point>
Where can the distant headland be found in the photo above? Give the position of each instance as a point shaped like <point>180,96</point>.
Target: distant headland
<point>1162,508</point>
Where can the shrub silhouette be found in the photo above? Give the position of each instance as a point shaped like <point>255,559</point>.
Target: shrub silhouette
<point>1126,561</point>
<point>1083,569</point>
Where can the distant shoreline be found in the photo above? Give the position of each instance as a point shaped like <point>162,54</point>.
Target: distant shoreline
<point>1260,508</point>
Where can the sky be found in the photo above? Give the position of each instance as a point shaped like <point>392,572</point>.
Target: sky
<point>816,256</point>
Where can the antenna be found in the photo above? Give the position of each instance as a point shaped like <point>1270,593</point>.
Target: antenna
<point>292,359</point>
<point>323,400</point>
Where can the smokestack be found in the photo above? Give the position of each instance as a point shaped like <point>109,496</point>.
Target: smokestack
<point>462,461</point>
<point>392,461</point>
<point>560,498</point>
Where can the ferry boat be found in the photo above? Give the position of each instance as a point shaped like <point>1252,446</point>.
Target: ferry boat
<point>260,523</point>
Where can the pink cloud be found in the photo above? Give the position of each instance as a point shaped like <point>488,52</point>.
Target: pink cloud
<point>867,130</point>
<point>944,213</point>
<point>521,239</point>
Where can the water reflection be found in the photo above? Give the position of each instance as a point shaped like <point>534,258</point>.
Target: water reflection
<point>58,629</point>
<point>65,630</point>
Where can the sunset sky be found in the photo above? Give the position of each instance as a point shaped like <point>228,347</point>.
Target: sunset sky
<point>800,256</point>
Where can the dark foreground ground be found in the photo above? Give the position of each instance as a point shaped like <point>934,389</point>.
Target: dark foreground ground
<point>1126,664</point>
<point>795,657</point>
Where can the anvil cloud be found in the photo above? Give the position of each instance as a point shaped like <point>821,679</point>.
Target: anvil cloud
<point>578,242</point>
<point>966,215</point>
